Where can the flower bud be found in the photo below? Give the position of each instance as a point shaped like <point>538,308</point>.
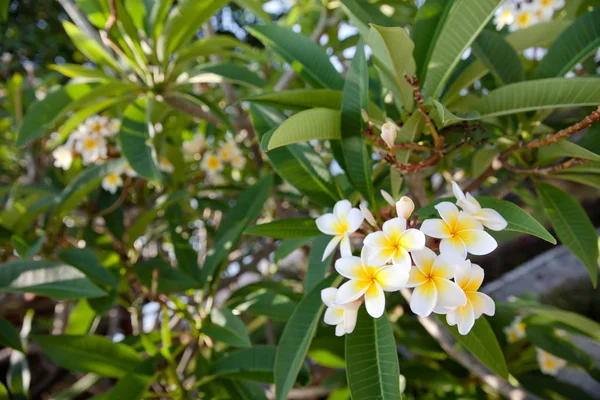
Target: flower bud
<point>368,215</point>
<point>388,197</point>
<point>405,207</point>
<point>388,134</point>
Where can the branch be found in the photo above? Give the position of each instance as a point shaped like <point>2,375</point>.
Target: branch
<point>546,170</point>
<point>414,82</point>
<point>191,108</point>
<point>564,133</point>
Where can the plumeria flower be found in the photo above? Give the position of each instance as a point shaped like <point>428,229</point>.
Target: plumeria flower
<point>505,15</point>
<point>112,182</point>
<point>114,126</point>
<point>434,291</point>
<point>130,172</point>
<point>370,280</point>
<point>394,242</point>
<point>488,217</point>
<point>91,148</point>
<point>238,161</point>
<point>194,146</point>
<point>388,134</point>
<point>516,330</point>
<point>341,223</point>
<point>549,363</point>
<point>165,165</point>
<point>460,233</point>
<point>524,17</point>
<point>98,125</point>
<point>469,278</point>
<point>211,164</point>
<point>548,6</point>
<point>342,316</point>
<point>405,207</point>
<point>63,157</point>
<point>227,151</point>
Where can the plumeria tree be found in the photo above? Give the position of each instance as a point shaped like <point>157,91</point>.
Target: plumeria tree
<point>300,199</point>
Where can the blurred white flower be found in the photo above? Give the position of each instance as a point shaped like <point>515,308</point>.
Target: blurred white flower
<point>165,165</point>
<point>211,163</point>
<point>516,330</point>
<point>99,125</point>
<point>195,145</point>
<point>130,172</point>
<point>63,157</point>
<point>524,17</point>
<point>388,198</point>
<point>388,134</point>
<point>91,148</point>
<point>368,215</point>
<point>404,207</point>
<point>227,151</point>
<point>549,363</point>
<point>238,161</point>
<point>112,182</point>
<point>505,15</point>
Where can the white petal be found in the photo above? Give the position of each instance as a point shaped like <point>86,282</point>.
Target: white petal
<point>475,279</point>
<point>351,291</point>
<point>334,316</point>
<point>331,247</point>
<point>402,258</point>
<point>450,295</point>
<point>439,309</point>
<point>354,219</point>
<point>342,208</point>
<point>404,207</point>
<point>379,257</point>
<point>436,228</point>
<point>478,242</point>
<point>462,273</point>
<point>416,278</point>
<point>457,191</point>
<point>482,304</point>
<point>350,267</point>
<point>392,278</point>
<point>350,320</point>
<point>412,239</point>
<point>328,296</point>
<point>375,301</point>
<point>388,198</point>
<point>339,330</point>
<point>491,219</point>
<point>423,299</point>
<point>424,260</point>
<point>448,212</point>
<point>368,215</point>
<point>453,249</point>
<point>376,240</point>
<point>345,248</point>
<point>394,227</point>
<point>467,206</point>
<point>465,319</point>
<point>327,223</point>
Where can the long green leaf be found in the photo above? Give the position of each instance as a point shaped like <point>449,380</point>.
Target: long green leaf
<point>372,367</point>
<point>574,320</point>
<point>564,148</point>
<point>89,47</point>
<point>313,124</point>
<point>227,328</point>
<point>363,13</point>
<point>227,71</point>
<point>499,56</point>
<point>286,228</point>
<point>9,335</point>
<point>254,364</point>
<point>208,46</point>
<point>87,262</point>
<point>572,226</point>
<point>317,268</point>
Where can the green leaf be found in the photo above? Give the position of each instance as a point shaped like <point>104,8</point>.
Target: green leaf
<point>481,160</point>
<point>356,154</point>
<point>444,117</point>
<point>392,48</point>
<point>86,261</point>
<point>168,279</point>
<point>296,337</point>
<point>286,228</point>
<point>89,353</point>
<point>409,133</point>
<point>287,247</point>
<point>46,278</point>
<point>207,46</point>
<point>136,144</point>
<point>574,320</point>
<point>215,73</point>
<point>592,180</point>
<point>244,390</point>
<point>372,367</point>
<point>580,40</point>
<point>304,56</point>
<point>227,328</point>
<point>254,364</point>
<point>134,385</point>
<point>540,94</point>
<point>362,14</point>
<point>572,226</point>
<point>499,56</point>
<point>187,258</point>
<point>483,344</point>
<point>317,268</point>
<point>79,71</point>
<point>313,124</point>
<point>518,219</point>
<point>255,7</point>
<point>464,22</point>
<point>93,50</point>
<point>80,319</point>
<point>564,148</point>
<point>9,335</point>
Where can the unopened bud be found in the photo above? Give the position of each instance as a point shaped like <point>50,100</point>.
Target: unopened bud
<point>405,207</point>
<point>388,134</point>
<point>388,197</point>
<point>368,215</point>
<point>364,115</point>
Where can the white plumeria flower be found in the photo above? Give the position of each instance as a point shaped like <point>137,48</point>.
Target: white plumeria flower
<point>505,15</point>
<point>460,233</point>
<point>238,161</point>
<point>165,165</point>
<point>549,363</point>
<point>368,215</point>
<point>524,17</point>
<point>469,278</point>
<point>114,126</point>
<point>98,125</point>
<point>548,5</point>
<point>434,291</point>
<point>405,207</point>
<point>370,280</point>
<point>516,330</point>
<point>341,223</point>
<point>63,157</point>
<point>130,172</point>
<point>227,151</point>
<point>394,242</point>
<point>112,182</point>
<point>211,164</point>
<point>342,316</point>
<point>194,146</point>
<point>388,134</point>
<point>488,217</point>
<point>91,148</point>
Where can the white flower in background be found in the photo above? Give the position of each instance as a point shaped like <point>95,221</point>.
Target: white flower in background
<point>549,363</point>
<point>211,164</point>
<point>524,17</point>
<point>394,242</point>
<point>489,218</point>
<point>342,316</point>
<point>227,151</point>
<point>388,134</point>
<point>112,182</point>
<point>91,148</point>
<point>341,223</point>
<point>460,233</point>
<point>405,207</point>
<point>130,172</point>
<point>165,165</point>
<point>505,15</point>
<point>194,146</point>
<point>469,278</point>
<point>238,161</point>
<point>434,291</point>
<point>98,125</point>
<point>63,157</point>
<point>370,280</point>
<point>6,57</point>
<point>516,330</point>
<point>548,7</point>
<point>114,126</point>
<point>367,214</point>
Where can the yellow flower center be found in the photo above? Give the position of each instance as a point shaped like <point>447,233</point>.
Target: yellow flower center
<point>342,226</point>
<point>96,127</point>
<point>89,144</point>
<point>112,178</point>
<point>546,3</point>
<point>213,163</point>
<point>524,18</point>
<point>549,363</point>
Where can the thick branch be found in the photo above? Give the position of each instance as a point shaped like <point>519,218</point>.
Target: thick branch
<point>564,133</point>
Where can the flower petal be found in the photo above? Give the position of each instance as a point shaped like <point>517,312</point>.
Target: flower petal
<point>436,228</point>
<point>467,222</point>
<point>442,268</point>
<point>327,223</point>
<point>457,191</point>
<point>354,219</point>
<point>331,247</point>
<point>412,239</point>
<point>462,274</point>
<point>345,249</point>
<point>392,278</point>
<point>375,300</point>
<point>464,318</point>
<point>453,249</point>
<point>380,257</point>
<point>478,242</point>
<point>448,212</point>
<point>328,296</point>
<point>482,304</point>
<point>393,228</point>
<point>424,260</point>
<point>351,268</point>
<point>350,320</point>
<point>401,257</point>
<point>423,299</point>
<point>377,240</point>
<point>475,279</point>
<point>404,207</point>
<point>450,295</point>
<point>334,316</point>
<point>351,291</point>
<point>416,278</point>
<point>491,219</point>
<point>339,330</point>
<point>341,209</point>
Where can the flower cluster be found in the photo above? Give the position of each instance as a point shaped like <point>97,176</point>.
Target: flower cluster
<point>213,161</point>
<point>519,14</point>
<point>398,256</point>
